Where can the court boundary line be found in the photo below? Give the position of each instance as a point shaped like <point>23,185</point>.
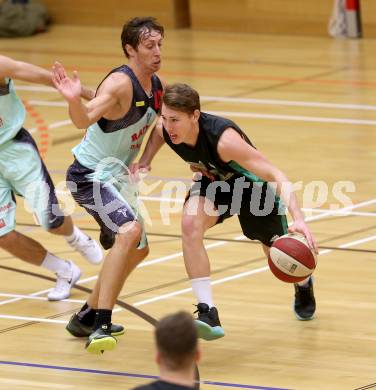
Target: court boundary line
<point>238,276</point>
<point>301,118</point>
<point>185,290</point>
<point>231,99</point>
<point>254,115</point>
<point>134,375</point>
<point>177,254</point>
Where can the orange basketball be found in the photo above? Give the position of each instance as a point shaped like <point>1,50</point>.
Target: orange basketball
<point>291,259</point>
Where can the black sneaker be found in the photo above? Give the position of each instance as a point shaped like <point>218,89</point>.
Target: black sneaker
<point>78,329</point>
<point>207,322</point>
<point>304,304</point>
<point>101,340</point>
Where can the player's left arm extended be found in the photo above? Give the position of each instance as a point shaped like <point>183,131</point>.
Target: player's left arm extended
<point>24,71</point>
<point>232,147</point>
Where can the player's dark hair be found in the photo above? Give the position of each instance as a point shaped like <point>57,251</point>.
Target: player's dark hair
<point>181,97</point>
<point>176,339</point>
<point>135,28</point>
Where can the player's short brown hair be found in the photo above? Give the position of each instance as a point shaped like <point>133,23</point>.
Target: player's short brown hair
<point>176,339</point>
<point>181,97</point>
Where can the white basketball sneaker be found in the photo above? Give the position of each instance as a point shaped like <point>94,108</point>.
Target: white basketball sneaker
<point>64,283</point>
<point>88,248</point>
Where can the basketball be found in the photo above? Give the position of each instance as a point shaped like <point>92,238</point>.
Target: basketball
<point>291,259</point>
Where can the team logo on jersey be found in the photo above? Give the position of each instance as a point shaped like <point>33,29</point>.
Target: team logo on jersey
<point>5,207</point>
<point>136,136</point>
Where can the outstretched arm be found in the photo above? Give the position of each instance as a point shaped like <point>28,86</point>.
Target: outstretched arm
<point>232,147</point>
<point>83,115</point>
<point>24,71</point>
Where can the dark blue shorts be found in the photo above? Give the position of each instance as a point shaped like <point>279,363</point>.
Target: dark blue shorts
<point>110,203</point>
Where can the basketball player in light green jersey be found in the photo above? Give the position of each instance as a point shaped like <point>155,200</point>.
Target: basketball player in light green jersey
<point>126,105</point>
<point>22,172</point>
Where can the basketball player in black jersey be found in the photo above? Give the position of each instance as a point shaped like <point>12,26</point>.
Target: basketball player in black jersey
<point>236,179</point>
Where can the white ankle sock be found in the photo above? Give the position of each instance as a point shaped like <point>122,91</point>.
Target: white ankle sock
<point>56,265</point>
<point>202,290</point>
<point>76,235</point>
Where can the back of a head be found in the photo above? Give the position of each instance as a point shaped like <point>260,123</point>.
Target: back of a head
<point>176,339</point>
<point>135,28</point>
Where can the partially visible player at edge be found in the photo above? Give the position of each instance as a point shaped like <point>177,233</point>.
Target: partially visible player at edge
<point>22,172</point>
<point>177,353</point>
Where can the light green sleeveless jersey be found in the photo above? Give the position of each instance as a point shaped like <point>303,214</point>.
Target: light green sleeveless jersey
<point>109,146</point>
<point>109,151</point>
<point>12,112</point>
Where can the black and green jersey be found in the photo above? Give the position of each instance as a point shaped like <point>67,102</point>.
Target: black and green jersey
<point>205,153</point>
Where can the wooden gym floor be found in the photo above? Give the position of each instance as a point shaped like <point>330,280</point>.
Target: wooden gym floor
<point>309,104</point>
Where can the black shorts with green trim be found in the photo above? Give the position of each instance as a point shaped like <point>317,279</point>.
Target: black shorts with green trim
<point>260,212</point>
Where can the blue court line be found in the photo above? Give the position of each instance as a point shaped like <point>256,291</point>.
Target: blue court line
<point>132,375</point>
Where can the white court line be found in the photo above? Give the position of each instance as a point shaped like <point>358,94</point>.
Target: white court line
<point>55,125</point>
<point>91,278</point>
<point>60,124</point>
<point>47,103</point>
<point>179,254</point>
<point>225,99</point>
<point>301,118</point>
<point>323,252</point>
<point>158,199</point>
<point>233,114</point>
<point>277,102</point>
<point>243,274</point>
<point>35,88</point>
<point>82,281</point>
<point>337,212</point>
<point>39,298</point>
<point>32,319</point>
<point>341,213</point>
<point>31,295</point>
<point>183,291</point>
<point>24,384</point>
<point>361,241</point>
<point>348,208</point>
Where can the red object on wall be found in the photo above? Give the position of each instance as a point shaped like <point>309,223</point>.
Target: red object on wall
<point>353,20</point>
